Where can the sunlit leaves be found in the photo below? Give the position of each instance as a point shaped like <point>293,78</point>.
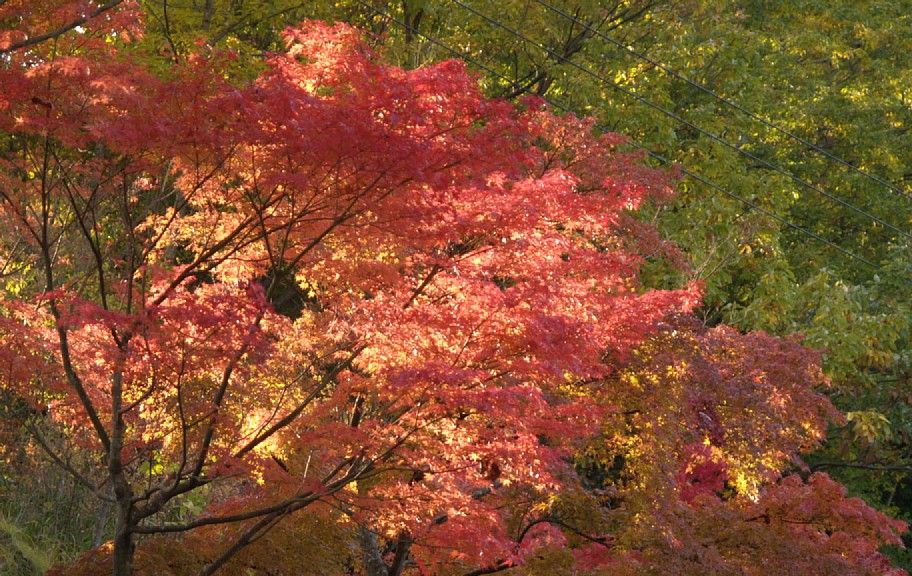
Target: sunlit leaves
<point>355,298</point>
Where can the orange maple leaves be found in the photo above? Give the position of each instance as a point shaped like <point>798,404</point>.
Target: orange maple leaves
<point>376,295</point>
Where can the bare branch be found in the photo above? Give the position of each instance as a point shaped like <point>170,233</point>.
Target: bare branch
<point>491,569</point>
<point>64,465</point>
<point>878,467</point>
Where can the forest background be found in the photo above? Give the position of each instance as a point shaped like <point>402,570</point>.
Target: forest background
<point>789,121</point>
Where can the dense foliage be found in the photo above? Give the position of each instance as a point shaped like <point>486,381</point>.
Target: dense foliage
<point>322,314</point>
<point>794,118</point>
<point>797,109</point>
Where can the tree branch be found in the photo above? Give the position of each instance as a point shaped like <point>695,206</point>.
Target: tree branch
<point>290,417</point>
<point>62,30</point>
<point>66,466</point>
<point>490,569</point>
<point>877,467</point>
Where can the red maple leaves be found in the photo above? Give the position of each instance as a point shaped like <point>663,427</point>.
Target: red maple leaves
<point>378,296</point>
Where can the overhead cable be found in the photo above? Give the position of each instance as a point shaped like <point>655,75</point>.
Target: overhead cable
<point>726,101</point>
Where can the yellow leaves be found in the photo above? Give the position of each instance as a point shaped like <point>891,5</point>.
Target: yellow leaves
<point>677,369</point>
<point>19,282</point>
<point>310,289</point>
<point>870,426</point>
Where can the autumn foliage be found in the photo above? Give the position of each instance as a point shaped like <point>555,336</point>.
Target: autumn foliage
<point>351,318</point>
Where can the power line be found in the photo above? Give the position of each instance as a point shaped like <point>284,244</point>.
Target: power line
<point>681,120</point>
<point>726,101</point>
<point>652,154</point>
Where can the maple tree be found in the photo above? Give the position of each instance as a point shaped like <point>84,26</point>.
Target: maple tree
<point>828,77</point>
<point>372,303</point>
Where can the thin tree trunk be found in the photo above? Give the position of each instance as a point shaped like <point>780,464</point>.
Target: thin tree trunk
<point>124,547</point>
<point>102,517</point>
<point>372,562</point>
<point>208,10</point>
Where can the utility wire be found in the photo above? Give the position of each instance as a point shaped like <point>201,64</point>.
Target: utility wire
<point>677,118</point>
<point>735,105</point>
<point>461,55</point>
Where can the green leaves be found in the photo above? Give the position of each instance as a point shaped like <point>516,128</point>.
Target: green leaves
<point>468,315</point>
